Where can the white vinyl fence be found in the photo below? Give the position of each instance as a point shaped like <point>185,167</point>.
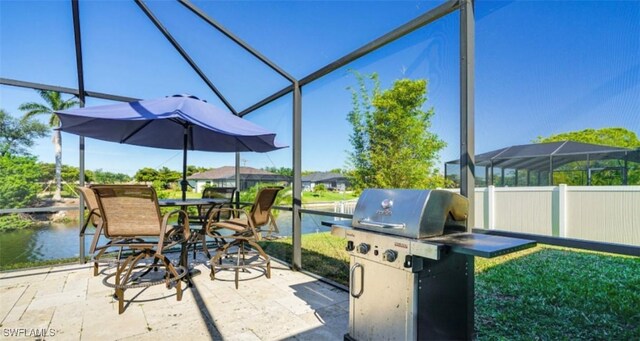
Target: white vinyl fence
<point>599,213</point>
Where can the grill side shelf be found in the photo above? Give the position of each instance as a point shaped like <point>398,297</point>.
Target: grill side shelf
<point>482,245</point>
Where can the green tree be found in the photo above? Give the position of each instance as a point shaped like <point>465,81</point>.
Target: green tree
<point>191,169</point>
<point>69,174</point>
<point>573,173</point>
<point>281,170</point>
<point>104,177</point>
<point>54,102</point>
<point>16,136</point>
<point>319,188</point>
<point>615,137</point>
<point>392,144</point>
<point>161,178</point>
<point>47,172</point>
<point>18,181</point>
<point>167,176</point>
<point>362,172</point>
<point>146,174</point>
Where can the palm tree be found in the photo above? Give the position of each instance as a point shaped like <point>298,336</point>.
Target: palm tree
<point>53,102</point>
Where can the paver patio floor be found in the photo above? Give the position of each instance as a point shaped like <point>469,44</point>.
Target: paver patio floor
<point>71,304</point>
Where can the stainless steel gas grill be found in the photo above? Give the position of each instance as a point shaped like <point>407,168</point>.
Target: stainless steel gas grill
<point>411,265</point>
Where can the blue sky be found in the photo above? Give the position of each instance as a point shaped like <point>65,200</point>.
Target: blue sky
<point>542,67</point>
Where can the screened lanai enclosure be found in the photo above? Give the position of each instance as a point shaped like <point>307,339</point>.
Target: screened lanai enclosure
<point>554,163</point>
<point>204,55</point>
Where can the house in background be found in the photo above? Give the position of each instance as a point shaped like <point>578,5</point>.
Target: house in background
<point>225,177</point>
<point>331,181</point>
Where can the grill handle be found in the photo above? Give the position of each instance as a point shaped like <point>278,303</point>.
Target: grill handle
<point>352,281</point>
<point>371,223</point>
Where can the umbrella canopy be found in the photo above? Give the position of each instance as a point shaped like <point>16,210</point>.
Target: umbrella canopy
<point>177,122</point>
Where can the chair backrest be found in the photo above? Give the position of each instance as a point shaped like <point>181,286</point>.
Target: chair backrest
<point>91,203</point>
<point>219,193</point>
<point>265,199</point>
<point>128,210</point>
<point>226,193</point>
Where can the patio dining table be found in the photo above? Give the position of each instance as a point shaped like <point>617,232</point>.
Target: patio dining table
<point>191,202</point>
<point>196,233</point>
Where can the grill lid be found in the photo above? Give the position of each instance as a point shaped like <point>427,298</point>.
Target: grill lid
<point>410,213</point>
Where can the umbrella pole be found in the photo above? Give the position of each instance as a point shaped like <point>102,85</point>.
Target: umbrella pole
<point>184,182</point>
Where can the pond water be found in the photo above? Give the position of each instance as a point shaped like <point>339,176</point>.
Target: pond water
<point>57,241</point>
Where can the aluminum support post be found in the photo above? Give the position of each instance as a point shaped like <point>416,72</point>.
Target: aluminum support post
<point>467,134</point>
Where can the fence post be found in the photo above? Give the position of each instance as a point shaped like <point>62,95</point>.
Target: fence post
<point>562,210</point>
<point>491,207</point>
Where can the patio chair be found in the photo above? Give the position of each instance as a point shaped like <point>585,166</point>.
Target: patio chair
<point>245,229</point>
<point>204,211</point>
<point>131,219</point>
<point>95,218</point>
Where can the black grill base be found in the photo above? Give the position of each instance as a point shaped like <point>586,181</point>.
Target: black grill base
<point>446,298</point>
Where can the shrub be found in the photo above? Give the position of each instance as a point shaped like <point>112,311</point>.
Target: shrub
<point>319,188</point>
<point>11,222</point>
<point>18,181</point>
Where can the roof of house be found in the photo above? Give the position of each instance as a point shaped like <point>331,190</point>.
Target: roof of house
<point>227,172</point>
<point>323,176</point>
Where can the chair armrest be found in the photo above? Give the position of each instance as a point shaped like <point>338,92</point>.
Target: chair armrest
<point>88,220</point>
<point>245,205</point>
<point>211,215</point>
<point>218,208</point>
<point>164,234</point>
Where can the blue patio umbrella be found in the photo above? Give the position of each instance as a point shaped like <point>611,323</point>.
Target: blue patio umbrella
<point>176,122</point>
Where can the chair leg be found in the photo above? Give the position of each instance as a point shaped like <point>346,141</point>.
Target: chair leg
<point>263,255</point>
<point>120,295</point>
<point>205,249</point>
<point>171,272</point>
<point>237,277</point>
<point>179,290</point>
<point>269,268</point>
<point>240,253</point>
<point>217,258</point>
<point>95,261</point>
<point>194,240</point>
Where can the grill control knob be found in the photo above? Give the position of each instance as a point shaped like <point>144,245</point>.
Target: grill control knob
<point>350,246</point>
<point>390,256</point>
<point>363,248</point>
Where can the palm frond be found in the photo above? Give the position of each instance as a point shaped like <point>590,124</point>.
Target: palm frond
<point>71,102</point>
<point>33,109</point>
<point>51,97</point>
<point>55,102</point>
<point>54,121</point>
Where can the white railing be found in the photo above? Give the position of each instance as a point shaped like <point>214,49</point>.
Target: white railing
<point>599,213</point>
<point>345,207</point>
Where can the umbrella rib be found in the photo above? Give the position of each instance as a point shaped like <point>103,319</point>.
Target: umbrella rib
<point>187,125</point>
<point>243,144</point>
<point>124,140</point>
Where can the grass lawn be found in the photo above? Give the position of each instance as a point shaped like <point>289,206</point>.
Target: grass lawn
<point>40,263</point>
<point>325,196</point>
<point>541,293</point>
